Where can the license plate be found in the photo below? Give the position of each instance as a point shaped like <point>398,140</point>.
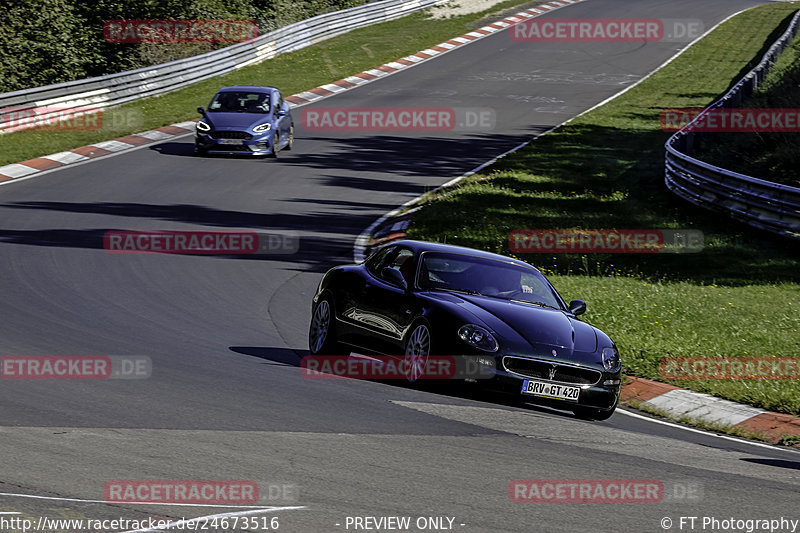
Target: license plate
<point>231,141</point>
<point>550,390</point>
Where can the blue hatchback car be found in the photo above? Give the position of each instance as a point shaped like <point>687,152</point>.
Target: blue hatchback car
<point>245,120</point>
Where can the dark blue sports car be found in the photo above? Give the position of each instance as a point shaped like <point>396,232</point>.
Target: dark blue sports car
<point>420,299</point>
<point>246,120</point>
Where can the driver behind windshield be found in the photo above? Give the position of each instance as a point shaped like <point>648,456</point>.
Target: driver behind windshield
<point>508,282</point>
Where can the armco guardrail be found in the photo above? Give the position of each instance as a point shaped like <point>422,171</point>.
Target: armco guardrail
<point>115,89</point>
<point>759,203</point>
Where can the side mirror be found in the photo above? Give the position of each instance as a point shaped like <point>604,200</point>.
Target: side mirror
<point>394,277</point>
<point>201,110</point>
<point>577,307</point>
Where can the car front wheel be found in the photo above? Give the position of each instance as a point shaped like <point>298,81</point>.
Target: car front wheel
<point>290,142</point>
<point>417,348</point>
<point>275,142</point>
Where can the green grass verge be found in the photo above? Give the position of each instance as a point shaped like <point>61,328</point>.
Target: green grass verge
<point>770,156</point>
<point>292,73</point>
<point>739,296</point>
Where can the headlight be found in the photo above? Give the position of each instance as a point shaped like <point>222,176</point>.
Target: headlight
<point>261,128</point>
<point>611,359</point>
<point>478,336</point>
<point>202,126</point>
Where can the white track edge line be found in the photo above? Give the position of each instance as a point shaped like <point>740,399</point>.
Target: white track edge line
<point>705,432</point>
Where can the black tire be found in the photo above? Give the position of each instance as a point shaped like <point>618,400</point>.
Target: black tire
<point>328,345</point>
<point>290,143</point>
<point>200,152</point>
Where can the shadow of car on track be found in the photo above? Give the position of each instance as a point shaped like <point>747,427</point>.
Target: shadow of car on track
<point>451,389</point>
<point>316,253</point>
<point>778,463</point>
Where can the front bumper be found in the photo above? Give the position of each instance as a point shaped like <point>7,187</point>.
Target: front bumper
<point>257,145</point>
<point>600,394</point>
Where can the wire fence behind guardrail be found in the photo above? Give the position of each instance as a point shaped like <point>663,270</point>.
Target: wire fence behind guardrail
<point>757,202</point>
<point>19,108</point>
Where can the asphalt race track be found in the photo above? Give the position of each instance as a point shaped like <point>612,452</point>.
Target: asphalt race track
<point>225,334</point>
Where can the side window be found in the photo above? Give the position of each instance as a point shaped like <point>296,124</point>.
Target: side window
<point>277,101</point>
<point>376,260</point>
<point>403,262</point>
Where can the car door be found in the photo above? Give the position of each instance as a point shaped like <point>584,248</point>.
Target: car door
<point>281,116</point>
<point>384,310</point>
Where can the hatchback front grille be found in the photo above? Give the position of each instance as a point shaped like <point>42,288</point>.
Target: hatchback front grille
<point>230,135</point>
<point>552,371</point>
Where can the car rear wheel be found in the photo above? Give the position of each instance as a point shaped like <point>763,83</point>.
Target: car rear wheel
<point>417,349</point>
<point>322,332</point>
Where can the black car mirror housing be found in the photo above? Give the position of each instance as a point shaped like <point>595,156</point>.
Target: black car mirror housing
<point>577,307</point>
<point>394,277</point>
<point>201,110</point>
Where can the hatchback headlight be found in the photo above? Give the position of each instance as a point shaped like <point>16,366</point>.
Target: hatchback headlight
<point>202,126</point>
<point>261,128</point>
<point>479,337</point>
<point>611,360</point>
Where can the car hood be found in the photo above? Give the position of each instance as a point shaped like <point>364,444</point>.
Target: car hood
<point>527,329</point>
<point>236,121</point>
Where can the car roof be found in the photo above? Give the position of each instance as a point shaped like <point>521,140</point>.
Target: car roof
<point>256,88</point>
<point>425,246</point>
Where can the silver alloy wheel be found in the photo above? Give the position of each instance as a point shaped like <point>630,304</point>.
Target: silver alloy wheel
<point>320,326</point>
<point>418,348</point>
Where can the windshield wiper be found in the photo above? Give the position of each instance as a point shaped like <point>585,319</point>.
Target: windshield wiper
<point>534,302</point>
<point>465,291</point>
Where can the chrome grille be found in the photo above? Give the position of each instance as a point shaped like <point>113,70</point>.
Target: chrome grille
<point>536,369</point>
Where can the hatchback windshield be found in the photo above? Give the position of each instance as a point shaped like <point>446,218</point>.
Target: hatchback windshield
<point>488,277</point>
<point>240,102</point>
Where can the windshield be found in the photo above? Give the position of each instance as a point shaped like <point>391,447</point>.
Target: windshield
<point>487,277</point>
<point>239,102</point>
